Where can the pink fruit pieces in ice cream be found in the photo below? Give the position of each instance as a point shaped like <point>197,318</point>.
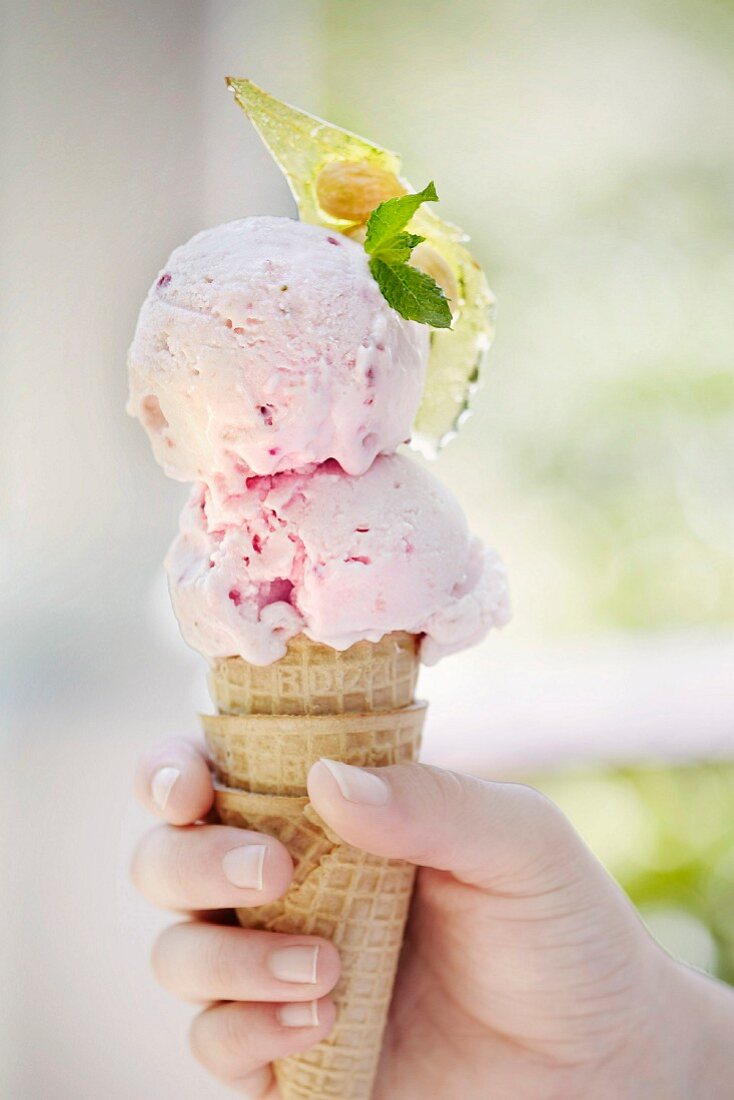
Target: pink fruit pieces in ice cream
<point>336,557</point>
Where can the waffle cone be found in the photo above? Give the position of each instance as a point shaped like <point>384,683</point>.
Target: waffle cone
<point>357,707</point>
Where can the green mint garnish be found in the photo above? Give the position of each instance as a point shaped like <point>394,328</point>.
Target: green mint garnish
<point>410,292</point>
<point>393,215</point>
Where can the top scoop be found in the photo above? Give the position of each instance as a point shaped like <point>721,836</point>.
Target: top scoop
<point>265,345</point>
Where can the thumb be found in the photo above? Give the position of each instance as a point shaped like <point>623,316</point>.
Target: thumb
<point>497,836</point>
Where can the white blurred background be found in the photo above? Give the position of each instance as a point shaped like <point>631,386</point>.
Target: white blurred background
<point>586,147</point>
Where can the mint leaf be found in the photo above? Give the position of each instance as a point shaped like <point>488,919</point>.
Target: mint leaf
<point>393,215</point>
<point>412,293</point>
<point>397,249</point>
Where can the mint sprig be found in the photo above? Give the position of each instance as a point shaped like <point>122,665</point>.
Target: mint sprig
<point>410,292</point>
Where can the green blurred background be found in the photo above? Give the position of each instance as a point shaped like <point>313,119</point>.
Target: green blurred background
<point>586,146</point>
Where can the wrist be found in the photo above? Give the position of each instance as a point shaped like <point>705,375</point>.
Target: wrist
<point>701,1041</point>
<point>680,1040</point>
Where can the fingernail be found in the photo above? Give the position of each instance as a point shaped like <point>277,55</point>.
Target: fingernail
<point>357,785</point>
<point>305,1014</point>
<point>162,785</point>
<point>243,866</point>
<point>294,964</point>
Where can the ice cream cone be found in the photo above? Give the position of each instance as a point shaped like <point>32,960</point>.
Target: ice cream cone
<point>274,723</point>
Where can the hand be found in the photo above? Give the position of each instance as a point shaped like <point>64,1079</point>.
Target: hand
<point>526,974</point>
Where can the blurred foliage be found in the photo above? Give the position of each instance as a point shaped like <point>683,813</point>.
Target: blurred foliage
<point>586,148</point>
<point>667,835</point>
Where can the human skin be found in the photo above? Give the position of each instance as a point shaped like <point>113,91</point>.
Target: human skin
<point>527,974</point>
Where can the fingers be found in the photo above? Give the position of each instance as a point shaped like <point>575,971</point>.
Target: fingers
<point>210,867</point>
<point>493,835</point>
<point>173,782</point>
<point>204,962</point>
<point>235,1042</point>
<point>259,1085</point>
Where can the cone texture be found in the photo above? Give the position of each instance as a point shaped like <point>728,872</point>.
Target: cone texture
<point>358,901</point>
<point>272,754</point>
<point>314,679</point>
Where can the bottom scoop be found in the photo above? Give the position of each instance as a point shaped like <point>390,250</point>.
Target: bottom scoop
<point>340,559</point>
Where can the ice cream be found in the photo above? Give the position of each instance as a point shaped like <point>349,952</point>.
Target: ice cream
<point>338,558</point>
<point>265,345</point>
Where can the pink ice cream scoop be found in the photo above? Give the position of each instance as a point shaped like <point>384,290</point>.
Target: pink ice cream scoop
<point>336,557</point>
<point>265,345</point>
